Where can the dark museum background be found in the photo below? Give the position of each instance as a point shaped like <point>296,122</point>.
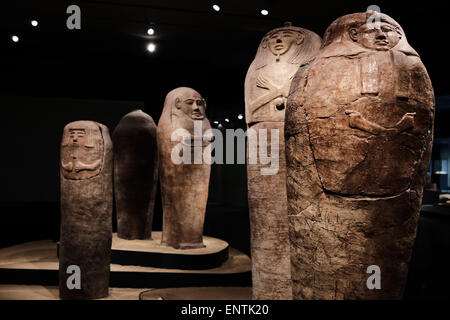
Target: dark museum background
<point>54,75</point>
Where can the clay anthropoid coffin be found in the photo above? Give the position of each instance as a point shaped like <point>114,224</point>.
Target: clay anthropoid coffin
<point>86,210</point>
<point>359,130</point>
<point>135,174</point>
<point>281,52</point>
<point>183,139</point>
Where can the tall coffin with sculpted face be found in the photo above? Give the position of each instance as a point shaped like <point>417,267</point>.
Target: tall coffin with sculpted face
<point>135,174</point>
<point>184,174</point>
<point>86,210</point>
<point>281,52</point>
<point>359,130</point>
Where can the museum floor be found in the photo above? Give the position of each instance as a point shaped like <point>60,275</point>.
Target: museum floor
<point>27,292</point>
<point>29,271</point>
<point>36,292</point>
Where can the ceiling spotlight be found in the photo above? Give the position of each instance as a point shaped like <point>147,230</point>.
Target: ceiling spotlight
<point>151,47</point>
<point>151,31</point>
<point>220,126</point>
<point>216,122</point>
<point>34,23</point>
<point>264,12</point>
<point>216,7</point>
<point>227,120</point>
<point>240,116</point>
<point>15,38</point>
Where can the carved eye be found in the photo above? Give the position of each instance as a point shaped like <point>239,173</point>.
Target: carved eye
<point>190,101</point>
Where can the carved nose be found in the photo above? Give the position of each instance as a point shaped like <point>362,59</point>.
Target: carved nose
<point>278,40</point>
<point>380,36</point>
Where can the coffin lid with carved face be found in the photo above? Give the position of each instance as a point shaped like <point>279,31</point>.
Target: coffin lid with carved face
<point>338,36</point>
<point>182,108</point>
<point>82,150</point>
<point>279,55</point>
<point>369,105</point>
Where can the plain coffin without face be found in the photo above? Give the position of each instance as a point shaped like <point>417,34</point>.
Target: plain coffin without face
<point>184,187</point>
<point>86,209</point>
<point>267,84</point>
<point>135,174</point>
<point>359,129</point>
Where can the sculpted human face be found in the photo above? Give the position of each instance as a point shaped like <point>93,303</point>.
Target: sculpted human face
<point>81,150</point>
<point>281,41</point>
<point>193,105</point>
<point>77,136</point>
<point>381,36</point>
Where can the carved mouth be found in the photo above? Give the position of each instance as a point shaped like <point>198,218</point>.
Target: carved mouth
<point>279,47</point>
<point>197,115</point>
<point>381,43</point>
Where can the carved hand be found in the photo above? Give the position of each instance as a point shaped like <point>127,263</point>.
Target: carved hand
<point>406,122</point>
<point>264,83</point>
<point>274,92</point>
<point>79,166</point>
<point>67,166</point>
<point>357,121</point>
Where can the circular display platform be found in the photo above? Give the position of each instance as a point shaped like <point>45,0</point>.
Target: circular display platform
<point>36,263</point>
<point>150,253</point>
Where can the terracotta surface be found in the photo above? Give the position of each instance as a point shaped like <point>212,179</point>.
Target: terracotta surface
<point>279,55</point>
<point>86,208</point>
<point>359,130</point>
<point>184,186</point>
<point>135,174</point>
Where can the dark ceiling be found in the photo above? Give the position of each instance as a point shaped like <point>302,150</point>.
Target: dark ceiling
<point>196,46</point>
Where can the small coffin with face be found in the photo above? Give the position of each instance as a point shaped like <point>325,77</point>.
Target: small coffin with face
<point>281,52</point>
<point>86,210</point>
<point>183,143</point>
